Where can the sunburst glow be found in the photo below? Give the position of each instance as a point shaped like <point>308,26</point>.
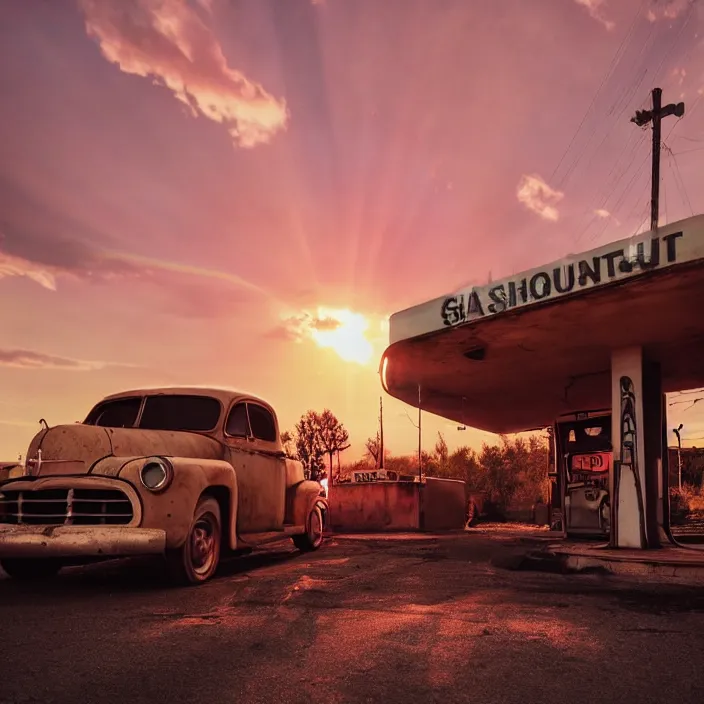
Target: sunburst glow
<point>345,334</point>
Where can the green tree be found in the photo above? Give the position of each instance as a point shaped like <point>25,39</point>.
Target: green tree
<point>317,435</point>
<point>334,437</point>
<point>309,448</point>
<point>441,453</point>
<point>372,449</point>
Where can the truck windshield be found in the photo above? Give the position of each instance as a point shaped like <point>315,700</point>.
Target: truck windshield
<point>162,412</point>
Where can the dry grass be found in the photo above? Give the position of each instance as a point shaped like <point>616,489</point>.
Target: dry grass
<point>684,502</point>
<point>696,502</point>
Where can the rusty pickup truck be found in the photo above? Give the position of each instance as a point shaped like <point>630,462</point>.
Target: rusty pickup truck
<point>190,474</point>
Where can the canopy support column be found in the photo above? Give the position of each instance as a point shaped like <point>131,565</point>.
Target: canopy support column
<point>637,485</point>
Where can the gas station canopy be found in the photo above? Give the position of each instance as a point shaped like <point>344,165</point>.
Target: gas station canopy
<point>517,353</point>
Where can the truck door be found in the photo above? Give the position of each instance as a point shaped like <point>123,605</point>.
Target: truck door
<point>251,435</point>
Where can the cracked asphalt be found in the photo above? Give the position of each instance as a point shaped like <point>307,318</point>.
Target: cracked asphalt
<point>428,619</point>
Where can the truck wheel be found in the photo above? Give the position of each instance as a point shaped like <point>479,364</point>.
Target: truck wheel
<point>197,560</point>
<point>28,569</point>
<point>312,539</point>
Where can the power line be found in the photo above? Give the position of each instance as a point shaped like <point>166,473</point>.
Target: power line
<point>624,102</point>
<point>610,189</point>
<point>614,62</point>
<point>633,180</point>
<point>664,189</point>
<point>626,190</point>
<point>688,151</point>
<point>689,139</point>
<point>682,183</point>
<point>625,98</point>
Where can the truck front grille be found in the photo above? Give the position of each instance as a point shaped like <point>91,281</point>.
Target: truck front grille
<point>70,507</point>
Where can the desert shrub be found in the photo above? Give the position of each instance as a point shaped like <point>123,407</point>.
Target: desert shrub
<point>681,503</point>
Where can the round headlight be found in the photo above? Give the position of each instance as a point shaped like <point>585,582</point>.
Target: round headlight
<point>156,474</point>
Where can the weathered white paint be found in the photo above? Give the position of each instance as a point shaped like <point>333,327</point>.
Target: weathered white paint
<point>625,509</point>
<point>37,541</point>
<point>428,317</point>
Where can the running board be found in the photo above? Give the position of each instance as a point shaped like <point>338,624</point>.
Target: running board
<point>271,536</point>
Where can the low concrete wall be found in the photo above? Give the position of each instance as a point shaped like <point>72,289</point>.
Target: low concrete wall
<point>437,504</point>
<point>443,504</point>
<point>376,506</point>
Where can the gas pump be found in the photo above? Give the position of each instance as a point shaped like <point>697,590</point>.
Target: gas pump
<point>557,508</point>
<point>583,457</point>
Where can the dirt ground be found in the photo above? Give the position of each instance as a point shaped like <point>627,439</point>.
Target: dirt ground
<point>365,619</point>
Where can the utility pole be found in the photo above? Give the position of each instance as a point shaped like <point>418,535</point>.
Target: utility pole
<point>642,118</point>
<point>381,433</point>
<point>676,431</point>
<point>420,441</point>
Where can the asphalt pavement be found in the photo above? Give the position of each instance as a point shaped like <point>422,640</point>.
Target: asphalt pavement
<point>430,619</point>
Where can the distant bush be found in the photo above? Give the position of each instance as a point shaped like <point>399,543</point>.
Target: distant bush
<point>682,502</point>
<point>512,472</point>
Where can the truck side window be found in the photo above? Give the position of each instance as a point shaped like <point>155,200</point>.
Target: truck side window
<point>120,413</point>
<point>237,424</point>
<point>263,426</point>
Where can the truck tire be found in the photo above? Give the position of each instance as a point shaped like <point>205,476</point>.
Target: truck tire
<point>312,539</point>
<point>198,559</point>
<point>31,569</point>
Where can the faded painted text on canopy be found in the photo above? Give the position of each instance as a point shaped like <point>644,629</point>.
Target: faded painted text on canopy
<point>517,353</point>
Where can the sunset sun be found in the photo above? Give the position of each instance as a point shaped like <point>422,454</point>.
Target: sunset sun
<point>344,332</point>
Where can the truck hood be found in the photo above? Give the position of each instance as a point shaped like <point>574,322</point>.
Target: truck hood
<point>74,449</point>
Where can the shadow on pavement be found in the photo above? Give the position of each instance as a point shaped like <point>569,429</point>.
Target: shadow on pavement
<point>131,575</point>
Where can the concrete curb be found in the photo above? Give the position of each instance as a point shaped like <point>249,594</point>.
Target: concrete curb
<point>691,571</point>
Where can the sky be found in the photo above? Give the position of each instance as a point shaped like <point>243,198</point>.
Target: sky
<point>240,192</point>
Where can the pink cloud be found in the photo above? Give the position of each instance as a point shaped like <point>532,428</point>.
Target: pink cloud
<point>299,327</point>
<point>168,41</point>
<point>17,266</point>
<point>667,9</point>
<point>45,260</point>
<point>595,10</point>
<point>28,359</point>
<point>184,291</point>
<point>539,197</point>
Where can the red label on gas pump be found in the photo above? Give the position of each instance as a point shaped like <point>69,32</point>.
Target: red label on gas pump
<point>592,462</point>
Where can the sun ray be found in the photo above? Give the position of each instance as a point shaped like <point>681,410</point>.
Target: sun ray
<point>188,269</point>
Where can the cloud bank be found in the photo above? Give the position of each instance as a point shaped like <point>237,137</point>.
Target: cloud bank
<point>668,9</point>
<point>595,8</point>
<point>169,42</point>
<point>28,359</point>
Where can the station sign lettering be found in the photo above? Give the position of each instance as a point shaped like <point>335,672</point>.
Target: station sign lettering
<point>560,280</point>
<point>365,476</point>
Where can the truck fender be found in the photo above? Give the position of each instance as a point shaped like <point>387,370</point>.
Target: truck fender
<point>300,500</point>
<point>172,509</point>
